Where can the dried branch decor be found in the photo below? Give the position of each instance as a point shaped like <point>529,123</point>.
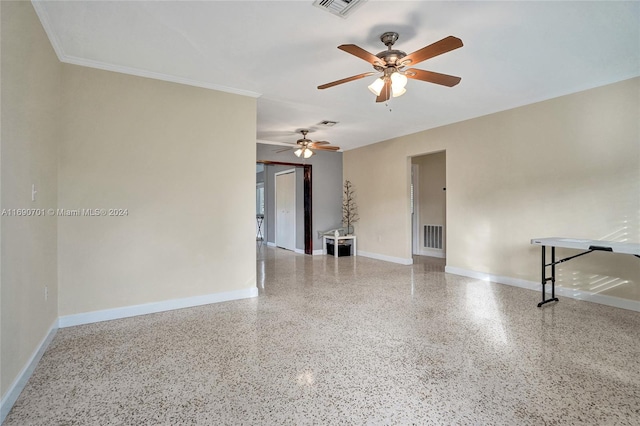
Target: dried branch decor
<point>349,207</point>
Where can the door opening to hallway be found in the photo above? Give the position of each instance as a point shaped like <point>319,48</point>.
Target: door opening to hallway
<point>429,204</point>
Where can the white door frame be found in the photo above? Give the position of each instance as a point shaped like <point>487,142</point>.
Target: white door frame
<point>415,182</point>
<point>284,172</point>
<point>416,230</point>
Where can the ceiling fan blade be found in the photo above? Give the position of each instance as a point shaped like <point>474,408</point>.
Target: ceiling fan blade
<point>284,149</point>
<point>346,80</point>
<point>432,77</point>
<point>362,54</point>
<point>326,148</point>
<point>445,45</point>
<point>385,93</point>
<point>320,143</point>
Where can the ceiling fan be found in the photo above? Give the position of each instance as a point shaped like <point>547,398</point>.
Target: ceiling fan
<point>304,146</point>
<point>391,64</point>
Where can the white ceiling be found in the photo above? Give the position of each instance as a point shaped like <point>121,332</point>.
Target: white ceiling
<point>514,53</point>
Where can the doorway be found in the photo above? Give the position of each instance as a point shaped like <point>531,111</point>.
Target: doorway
<point>285,196</point>
<point>305,194</point>
<point>429,204</point>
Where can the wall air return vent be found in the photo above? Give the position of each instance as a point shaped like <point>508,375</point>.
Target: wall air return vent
<point>433,236</point>
<point>342,8</point>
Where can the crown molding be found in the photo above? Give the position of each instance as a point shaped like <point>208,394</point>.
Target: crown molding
<point>74,60</point>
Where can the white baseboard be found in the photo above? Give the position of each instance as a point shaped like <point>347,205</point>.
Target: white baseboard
<point>571,293</point>
<point>432,253</point>
<point>313,252</point>
<point>21,380</point>
<point>299,251</point>
<point>386,258</point>
<point>150,308</point>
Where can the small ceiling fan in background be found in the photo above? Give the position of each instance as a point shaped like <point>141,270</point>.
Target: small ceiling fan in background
<point>304,146</point>
<point>391,64</point>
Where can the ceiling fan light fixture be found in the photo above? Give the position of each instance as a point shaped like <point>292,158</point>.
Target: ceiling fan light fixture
<point>397,93</point>
<point>303,152</point>
<point>398,80</point>
<point>398,83</point>
<point>376,86</point>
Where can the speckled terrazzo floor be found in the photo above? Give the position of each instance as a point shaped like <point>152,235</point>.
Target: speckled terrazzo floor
<point>347,341</point>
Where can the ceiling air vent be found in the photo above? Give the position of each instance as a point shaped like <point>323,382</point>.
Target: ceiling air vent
<point>342,8</point>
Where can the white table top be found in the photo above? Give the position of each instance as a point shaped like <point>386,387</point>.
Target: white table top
<point>340,237</point>
<point>575,243</point>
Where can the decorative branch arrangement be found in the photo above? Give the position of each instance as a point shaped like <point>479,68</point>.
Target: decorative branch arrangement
<point>349,207</point>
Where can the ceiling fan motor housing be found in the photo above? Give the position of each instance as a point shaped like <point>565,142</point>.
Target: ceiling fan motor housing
<point>304,141</point>
<point>390,57</point>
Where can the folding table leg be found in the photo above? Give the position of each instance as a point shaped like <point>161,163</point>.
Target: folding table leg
<point>545,278</point>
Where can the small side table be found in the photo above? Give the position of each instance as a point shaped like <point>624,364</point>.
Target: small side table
<point>336,241</point>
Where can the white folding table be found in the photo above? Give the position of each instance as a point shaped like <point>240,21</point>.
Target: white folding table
<point>578,244</point>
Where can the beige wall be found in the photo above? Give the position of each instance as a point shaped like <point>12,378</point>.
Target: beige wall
<point>383,198</point>
<point>181,160</point>
<point>30,94</point>
<point>566,167</point>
